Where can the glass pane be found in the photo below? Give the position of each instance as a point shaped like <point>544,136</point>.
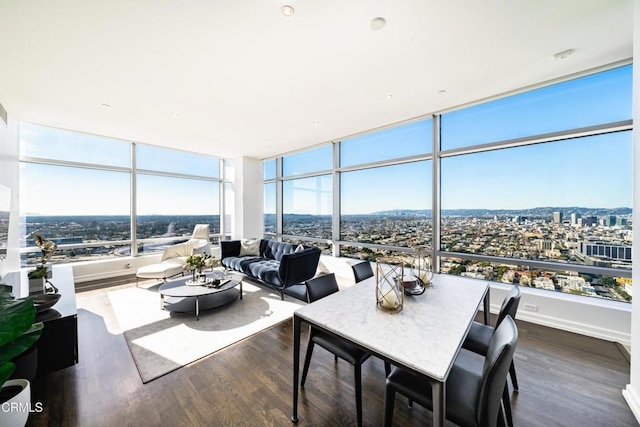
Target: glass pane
<point>170,207</point>
<point>229,207</point>
<point>74,205</point>
<point>74,254</point>
<point>269,167</point>
<point>547,201</point>
<point>270,207</point>
<point>374,254</point>
<point>318,159</point>
<point>402,141</point>
<point>307,205</point>
<point>613,288</point>
<point>154,247</point>
<point>388,205</point>
<point>587,101</point>
<point>324,247</point>
<point>161,159</point>
<point>57,144</point>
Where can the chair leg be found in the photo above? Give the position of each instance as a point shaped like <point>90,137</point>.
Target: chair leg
<point>335,358</point>
<point>389,402</point>
<point>506,402</point>
<point>500,420</point>
<point>358,379</point>
<point>307,360</point>
<point>512,373</point>
<point>387,369</point>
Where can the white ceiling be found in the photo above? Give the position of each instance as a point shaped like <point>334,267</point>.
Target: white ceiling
<point>246,81</point>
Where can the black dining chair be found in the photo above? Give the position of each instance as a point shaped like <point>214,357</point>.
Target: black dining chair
<point>362,270</point>
<point>479,337</point>
<point>317,288</point>
<point>473,392</point>
<point>480,334</point>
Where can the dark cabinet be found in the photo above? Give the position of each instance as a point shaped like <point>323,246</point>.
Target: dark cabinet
<point>58,344</point>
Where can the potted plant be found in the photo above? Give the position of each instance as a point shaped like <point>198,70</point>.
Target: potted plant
<point>37,278</point>
<point>195,263</point>
<point>18,333</point>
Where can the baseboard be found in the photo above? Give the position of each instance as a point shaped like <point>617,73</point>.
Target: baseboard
<point>633,401</point>
<point>578,328</point>
<point>102,276</point>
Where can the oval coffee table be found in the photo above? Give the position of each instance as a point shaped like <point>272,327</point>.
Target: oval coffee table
<point>194,298</point>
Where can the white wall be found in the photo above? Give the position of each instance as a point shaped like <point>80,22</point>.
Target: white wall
<point>9,152</point>
<point>632,391</point>
<point>248,218</point>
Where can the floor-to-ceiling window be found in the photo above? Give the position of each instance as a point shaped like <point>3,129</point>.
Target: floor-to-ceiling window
<point>533,188</point>
<point>174,192</point>
<point>99,197</point>
<point>269,198</point>
<point>307,197</point>
<point>385,191</point>
<point>536,187</point>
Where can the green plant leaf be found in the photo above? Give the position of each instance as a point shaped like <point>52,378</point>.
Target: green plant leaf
<point>16,317</point>
<point>17,330</point>
<point>21,344</point>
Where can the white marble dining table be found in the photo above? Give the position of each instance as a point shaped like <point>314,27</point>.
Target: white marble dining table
<point>425,337</point>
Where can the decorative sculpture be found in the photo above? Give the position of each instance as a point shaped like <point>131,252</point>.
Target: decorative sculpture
<point>47,247</point>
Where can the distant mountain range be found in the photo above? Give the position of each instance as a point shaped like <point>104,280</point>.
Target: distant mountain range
<point>532,212</point>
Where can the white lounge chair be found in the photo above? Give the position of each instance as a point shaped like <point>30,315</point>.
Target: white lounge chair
<point>173,258</point>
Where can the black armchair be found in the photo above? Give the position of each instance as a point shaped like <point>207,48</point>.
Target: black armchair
<point>473,393</point>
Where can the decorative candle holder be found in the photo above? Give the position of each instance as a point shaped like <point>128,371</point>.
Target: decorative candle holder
<point>424,266</point>
<point>389,288</point>
<point>420,274</point>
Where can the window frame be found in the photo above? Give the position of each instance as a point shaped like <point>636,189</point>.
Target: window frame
<point>436,155</point>
<point>133,242</point>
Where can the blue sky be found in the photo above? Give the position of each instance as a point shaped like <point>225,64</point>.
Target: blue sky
<point>59,190</point>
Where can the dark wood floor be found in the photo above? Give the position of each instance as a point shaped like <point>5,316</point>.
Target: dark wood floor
<point>565,380</point>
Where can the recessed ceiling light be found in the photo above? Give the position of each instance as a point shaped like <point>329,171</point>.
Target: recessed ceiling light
<point>316,123</point>
<point>442,91</point>
<point>389,96</point>
<point>287,10</point>
<point>378,23</point>
<point>105,105</point>
<point>562,55</point>
<point>175,114</point>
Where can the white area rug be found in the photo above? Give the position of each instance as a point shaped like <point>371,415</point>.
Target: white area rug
<point>161,341</point>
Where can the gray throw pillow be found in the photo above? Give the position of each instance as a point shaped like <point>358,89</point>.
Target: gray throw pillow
<point>249,247</point>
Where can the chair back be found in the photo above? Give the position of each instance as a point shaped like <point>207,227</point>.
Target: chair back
<point>200,241</point>
<point>495,371</point>
<point>509,305</point>
<point>321,286</point>
<point>362,270</point>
